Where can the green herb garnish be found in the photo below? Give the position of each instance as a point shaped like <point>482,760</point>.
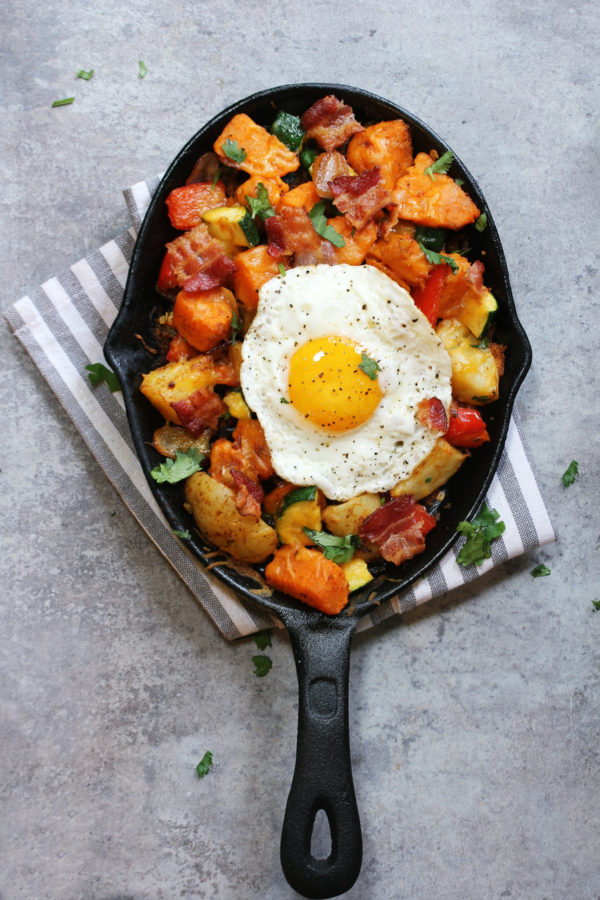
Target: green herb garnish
<point>288,129</point>
<point>66,102</point>
<point>186,462</point>
<point>142,70</point>
<point>262,665</point>
<point>283,400</point>
<point>260,205</point>
<point>319,220</point>
<point>81,73</point>
<point>235,326</point>
<point>483,344</point>
<point>281,268</point>
<point>233,151</point>
<point>98,372</point>
<point>571,474</point>
<point>369,366</point>
<point>431,242</point>
<point>204,765</point>
<point>337,549</point>
<point>262,639</point>
<point>480,399</point>
<point>307,157</point>
<point>479,534</point>
<point>540,570</point>
<point>596,604</point>
<point>184,535</point>
<point>481,222</point>
<point>459,182</point>
<point>216,177</point>
<point>441,165</point>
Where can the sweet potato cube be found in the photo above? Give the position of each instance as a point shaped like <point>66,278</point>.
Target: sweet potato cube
<point>263,154</point>
<point>385,144</point>
<point>254,268</point>
<point>203,318</point>
<point>308,576</point>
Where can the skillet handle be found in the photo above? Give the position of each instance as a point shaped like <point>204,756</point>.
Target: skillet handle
<point>323,774</point>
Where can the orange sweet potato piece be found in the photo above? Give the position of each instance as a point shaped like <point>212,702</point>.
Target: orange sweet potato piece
<point>275,188</point>
<point>387,145</point>
<point>203,318</point>
<point>254,268</point>
<point>460,286</point>
<point>308,576</point>
<point>436,202</point>
<point>357,242</point>
<point>401,253</point>
<point>186,205</point>
<point>265,154</point>
<point>305,196</point>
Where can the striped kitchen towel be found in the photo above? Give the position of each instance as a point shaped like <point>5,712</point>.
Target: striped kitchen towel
<point>63,326</point>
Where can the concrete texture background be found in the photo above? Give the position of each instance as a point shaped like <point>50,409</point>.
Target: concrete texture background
<point>475,721</point>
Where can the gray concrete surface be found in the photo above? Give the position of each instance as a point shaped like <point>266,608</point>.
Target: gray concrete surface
<point>475,721</point>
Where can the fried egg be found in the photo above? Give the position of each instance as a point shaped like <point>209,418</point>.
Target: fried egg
<point>334,365</point>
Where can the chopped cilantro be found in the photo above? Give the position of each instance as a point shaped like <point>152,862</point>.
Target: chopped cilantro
<point>262,639</point>
<point>235,326</point>
<point>66,102</point>
<point>481,222</point>
<point>186,462</point>
<point>283,400</point>
<point>260,205</point>
<point>288,129</point>
<point>98,372</point>
<point>571,474</point>
<point>459,182</point>
<point>233,151</point>
<point>479,535</point>
<point>596,604</point>
<point>216,177</point>
<point>540,570</point>
<point>480,399</point>
<point>483,344</point>
<point>205,764</point>
<point>319,220</point>
<point>369,366</point>
<point>308,156</point>
<point>441,165</point>
<point>337,549</point>
<point>281,268</point>
<point>431,242</point>
<point>428,479</point>
<point>142,70</point>
<point>81,73</point>
<point>262,665</point>
<point>184,535</point>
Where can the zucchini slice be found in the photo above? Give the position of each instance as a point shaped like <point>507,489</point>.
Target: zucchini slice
<point>478,313</point>
<point>357,574</point>
<point>288,129</point>
<point>233,225</point>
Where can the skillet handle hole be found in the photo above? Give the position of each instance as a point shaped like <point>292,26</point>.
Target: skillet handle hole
<point>320,840</point>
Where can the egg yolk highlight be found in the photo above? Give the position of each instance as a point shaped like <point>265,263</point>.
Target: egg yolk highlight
<point>327,387</point>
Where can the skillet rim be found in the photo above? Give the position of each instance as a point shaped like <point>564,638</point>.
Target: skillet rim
<point>123,358</point>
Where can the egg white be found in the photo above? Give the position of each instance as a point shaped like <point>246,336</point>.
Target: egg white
<point>360,303</point>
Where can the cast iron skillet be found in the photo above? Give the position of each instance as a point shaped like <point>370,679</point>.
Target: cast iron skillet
<point>321,644</point>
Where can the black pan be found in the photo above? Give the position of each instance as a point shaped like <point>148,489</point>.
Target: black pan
<point>321,644</point>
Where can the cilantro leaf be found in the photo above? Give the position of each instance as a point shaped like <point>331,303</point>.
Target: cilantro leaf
<point>142,70</point>
<point>81,73</point>
<point>262,639</point>
<point>283,400</point>
<point>262,665</point>
<point>483,344</point>
<point>479,534</point>
<point>441,165</point>
<point>66,102</point>
<point>260,205</point>
<point>205,764</point>
<point>369,366</point>
<point>337,549</point>
<point>430,238</point>
<point>98,372</point>
<point>216,177</point>
<point>173,470</point>
<point>281,268</point>
<point>288,129</point>
<point>319,220</point>
<point>481,222</point>
<point>235,326</point>
<point>571,474</point>
<point>307,157</point>
<point>540,570</point>
<point>233,151</point>
<point>184,535</point>
<point>596,604</point>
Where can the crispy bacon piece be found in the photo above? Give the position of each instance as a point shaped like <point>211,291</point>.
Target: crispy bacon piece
<point>248,453</point>
<point>330,122</point>
<point>248,494</point>
<point>200,410</point>
<point>198,261</point>
<point>292,232</point>
<point>360,197</point>
<point>398,528</point>
<point>432,414</point>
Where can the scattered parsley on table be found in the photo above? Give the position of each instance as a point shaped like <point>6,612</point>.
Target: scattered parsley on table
<point>262,665</point>
<point>540,570</point>
<point>205,764</point>
<point>98,372</point>
<point>479,534</point>
<point>571,474</point>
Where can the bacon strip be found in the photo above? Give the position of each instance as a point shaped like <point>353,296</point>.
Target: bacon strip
<point>432,414</point>
<point>292,232</point>
<point>398,528</point>
<point>198,261</point>
<point>360,197</point>
<point>200,410</point>
<point>249,494</point>
<point>330,122</point>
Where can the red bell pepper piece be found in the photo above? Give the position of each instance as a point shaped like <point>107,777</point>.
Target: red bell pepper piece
<point>466,428</point>
<point>427,298</point>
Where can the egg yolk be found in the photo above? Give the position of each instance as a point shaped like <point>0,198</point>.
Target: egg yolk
<point>328,388</point>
